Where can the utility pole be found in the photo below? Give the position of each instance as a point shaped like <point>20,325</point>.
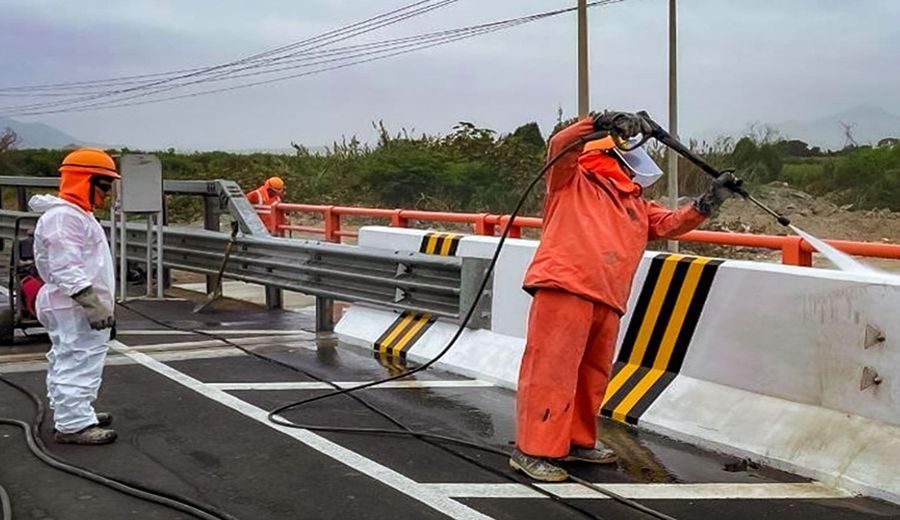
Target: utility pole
<point>673,112</point>
<point>584,101</point>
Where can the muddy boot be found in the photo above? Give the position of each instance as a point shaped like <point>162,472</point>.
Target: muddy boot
<point>536,467</point>
<point>104,419</point>
<point>599,455</point>
<point>92,435</point>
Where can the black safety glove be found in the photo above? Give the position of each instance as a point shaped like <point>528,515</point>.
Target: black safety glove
<point>623,124</point>
<point>99,316</point>
<point>719,190</point>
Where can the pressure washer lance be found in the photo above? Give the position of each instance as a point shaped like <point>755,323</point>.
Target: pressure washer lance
<point>664,137</point>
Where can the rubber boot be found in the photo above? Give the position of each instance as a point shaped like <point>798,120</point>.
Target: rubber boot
<point>601,454</point>
<point>90,436</point>
<point>536,467</point>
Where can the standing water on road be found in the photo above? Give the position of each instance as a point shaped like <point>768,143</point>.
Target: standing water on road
<point>843,261</point>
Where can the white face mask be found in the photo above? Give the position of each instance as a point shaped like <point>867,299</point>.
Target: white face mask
<point>640,165</point>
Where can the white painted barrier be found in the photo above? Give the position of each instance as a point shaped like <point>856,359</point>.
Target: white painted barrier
<point>776,363</point>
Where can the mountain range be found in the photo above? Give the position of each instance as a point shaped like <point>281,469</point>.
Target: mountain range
<point>39,135</point>
<point>867,125</point>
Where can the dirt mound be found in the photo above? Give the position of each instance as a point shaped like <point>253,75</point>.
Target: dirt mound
<point>816,215</point>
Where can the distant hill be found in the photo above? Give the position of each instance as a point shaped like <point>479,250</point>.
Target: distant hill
<point>39,135</point>
<point>869,124</point>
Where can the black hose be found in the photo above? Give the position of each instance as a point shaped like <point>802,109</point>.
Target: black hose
<point>425,436</point>
<point>136,490</point>
<point>474,305</point>
<point>404,430</point>
<point>5,505</point>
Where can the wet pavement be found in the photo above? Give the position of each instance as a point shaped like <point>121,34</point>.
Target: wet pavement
<point>190,411</point>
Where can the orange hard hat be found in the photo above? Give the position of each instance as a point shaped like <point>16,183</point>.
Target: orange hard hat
<point>89,161</point>
<point>79,170</point>
<point>275,183</point>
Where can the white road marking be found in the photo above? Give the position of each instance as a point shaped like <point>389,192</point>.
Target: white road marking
<point>314,385</point>
<point>248,332</point>
<point>716,491</point>
<point>115,359</point>
<point>357,462</point>
<point>247,341</point>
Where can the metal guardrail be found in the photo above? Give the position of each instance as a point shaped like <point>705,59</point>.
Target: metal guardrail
<point>171,187</point>
<point>440,286</point>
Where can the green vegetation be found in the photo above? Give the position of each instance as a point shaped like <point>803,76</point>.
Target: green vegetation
<point>476,169</point>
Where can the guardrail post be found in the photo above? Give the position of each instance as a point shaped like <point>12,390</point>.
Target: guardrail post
<point>167,273</point>
<point>325,306</point>
<point>279,218</point>
<point>2,242</point>
<point>398,220</point>
<point>22,198</point>
<point>792,252</point>
<point>211,212</point>
<point>483,226</point>
<point>324,314</point>
<point>514,231</point>
<point>332,225</point>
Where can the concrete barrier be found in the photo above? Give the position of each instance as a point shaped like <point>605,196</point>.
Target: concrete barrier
<point>797,368</point>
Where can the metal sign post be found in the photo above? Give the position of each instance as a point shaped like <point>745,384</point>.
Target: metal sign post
<point>140,193</point>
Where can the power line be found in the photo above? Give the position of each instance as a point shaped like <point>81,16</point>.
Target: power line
<point>337,35</point>
<point>139,77</point>
<point>352,55</point>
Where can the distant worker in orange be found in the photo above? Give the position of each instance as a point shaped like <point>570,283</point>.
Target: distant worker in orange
<point>596,227</point>
<point>269,193</point>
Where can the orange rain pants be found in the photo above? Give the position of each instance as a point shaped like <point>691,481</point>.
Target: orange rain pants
<point>566,335</point>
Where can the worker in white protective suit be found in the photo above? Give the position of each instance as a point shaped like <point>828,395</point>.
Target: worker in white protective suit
<point>76,304</point>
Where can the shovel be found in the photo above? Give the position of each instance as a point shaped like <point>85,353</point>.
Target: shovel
<point>216,293</point>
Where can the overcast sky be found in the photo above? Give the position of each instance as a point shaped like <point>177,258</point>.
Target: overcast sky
<point>740,61</point>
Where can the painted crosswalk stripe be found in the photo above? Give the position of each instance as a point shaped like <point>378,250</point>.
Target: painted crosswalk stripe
<point>711,491</point>
<point>316,385</point>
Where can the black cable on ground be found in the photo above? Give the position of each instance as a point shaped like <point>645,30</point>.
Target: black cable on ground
<point>140,491</point>
<point>404,430</point>
<point>5,505</point>
<point>274,417</point>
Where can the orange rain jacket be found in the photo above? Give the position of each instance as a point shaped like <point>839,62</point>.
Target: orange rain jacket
<point>596,225</point>
<point>261,196</point>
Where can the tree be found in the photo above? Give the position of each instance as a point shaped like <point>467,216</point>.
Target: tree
<point>8,140</point>
<point>529,133</point>
<point>795,148</point>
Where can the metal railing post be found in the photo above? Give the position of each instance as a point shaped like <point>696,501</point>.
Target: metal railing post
<point>325,306</point>
<point>22,198</point>
<point>792,252</point>
<point>274,295</point>
<point>211,212</point>
<point>324,314</point>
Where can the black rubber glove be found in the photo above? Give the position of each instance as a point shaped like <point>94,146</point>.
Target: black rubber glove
<point>719,190</point>
<point>623,124</point>
<point>99,316</point>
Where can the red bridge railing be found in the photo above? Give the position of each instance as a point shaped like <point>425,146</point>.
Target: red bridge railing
<point>794,250</point>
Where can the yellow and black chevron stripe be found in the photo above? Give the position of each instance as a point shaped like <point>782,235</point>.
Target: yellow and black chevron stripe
<point>444,244</point>
<point>659,333</point>
<point>402,334</point>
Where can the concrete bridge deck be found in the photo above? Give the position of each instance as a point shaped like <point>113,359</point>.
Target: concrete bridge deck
<point>190,411</point>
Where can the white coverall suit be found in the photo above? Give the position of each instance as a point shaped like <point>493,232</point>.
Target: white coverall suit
<point>71,254</point>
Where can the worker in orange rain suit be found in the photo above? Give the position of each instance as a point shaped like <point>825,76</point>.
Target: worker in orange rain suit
<point>269,193</point>
<point>596,227</point>
<point>76,303</point>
